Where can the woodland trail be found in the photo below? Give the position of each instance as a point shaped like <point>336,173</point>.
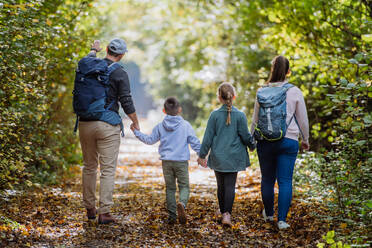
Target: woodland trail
<point>54,216</point>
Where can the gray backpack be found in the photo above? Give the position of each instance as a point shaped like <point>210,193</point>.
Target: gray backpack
<point>272,115</point>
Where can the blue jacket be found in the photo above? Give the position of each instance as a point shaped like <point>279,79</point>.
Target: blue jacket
<point>175,135</point>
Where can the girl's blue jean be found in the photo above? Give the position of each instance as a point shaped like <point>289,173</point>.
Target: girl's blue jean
<point>277,160</point>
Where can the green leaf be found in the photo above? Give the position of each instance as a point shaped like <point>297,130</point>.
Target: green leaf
<point>353,61</point>
<point>367,37</point>
<point>367,119</point>
<point>330,240</point>
<point>330,234</point>
<point>360,142</point>
<point>369,204</point>
<point>358,57</point>
<point>343,81</point>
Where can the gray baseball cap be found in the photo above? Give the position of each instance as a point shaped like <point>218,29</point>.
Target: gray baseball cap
<point>118,46</point>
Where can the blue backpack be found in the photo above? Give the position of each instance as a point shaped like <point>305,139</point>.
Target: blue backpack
<point>272,115</point>
<point>90,92</point>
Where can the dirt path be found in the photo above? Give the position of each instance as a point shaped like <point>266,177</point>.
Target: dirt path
<point>54,217</point>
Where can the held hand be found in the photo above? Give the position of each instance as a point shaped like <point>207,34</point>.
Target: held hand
<point>205,163</point>
<point>305,145</point>
<point>202,162</point>
<point>134,126</point>
<point>97,45</point>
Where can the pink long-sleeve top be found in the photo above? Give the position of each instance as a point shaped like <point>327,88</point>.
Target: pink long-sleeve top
<point>295,104</point>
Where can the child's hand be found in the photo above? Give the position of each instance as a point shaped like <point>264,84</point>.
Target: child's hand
<point>202,162</point>
<point>133,127</point>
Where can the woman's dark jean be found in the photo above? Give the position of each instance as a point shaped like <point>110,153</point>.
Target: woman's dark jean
<point>277,160</point>
<point>226,190</point>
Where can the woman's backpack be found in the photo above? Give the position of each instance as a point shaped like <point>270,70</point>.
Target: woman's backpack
<point>90,91</point>
<point>272,115</point>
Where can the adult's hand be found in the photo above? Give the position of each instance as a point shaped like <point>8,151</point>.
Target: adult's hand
<point>134,126</point>
<point>202,162</point>
<point>96,46</point>
<point>134,119</point>
<point>305,145</point>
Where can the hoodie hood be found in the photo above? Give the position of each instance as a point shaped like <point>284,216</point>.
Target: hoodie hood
<point>171,123</point>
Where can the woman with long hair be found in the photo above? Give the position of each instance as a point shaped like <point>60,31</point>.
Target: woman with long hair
<point>277,154</point>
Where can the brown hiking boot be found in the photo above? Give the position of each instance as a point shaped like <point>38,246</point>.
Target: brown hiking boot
<point>105,219</point>
<point>226,219</point>
<point>91,213</point>
<point>181,213</point>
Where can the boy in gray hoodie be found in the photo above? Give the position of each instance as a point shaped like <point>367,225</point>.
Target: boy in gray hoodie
<point>175,135</point>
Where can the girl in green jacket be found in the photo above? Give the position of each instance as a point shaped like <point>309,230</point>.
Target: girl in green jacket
<point>227,138</point>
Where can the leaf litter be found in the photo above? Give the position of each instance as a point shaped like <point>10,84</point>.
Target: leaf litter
<point>55,217</point>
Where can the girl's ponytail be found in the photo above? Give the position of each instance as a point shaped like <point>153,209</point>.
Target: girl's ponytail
<point>227,92</point>
<point>229,107</point>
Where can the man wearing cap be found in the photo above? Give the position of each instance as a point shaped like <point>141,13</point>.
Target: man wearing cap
<point>100,140</point>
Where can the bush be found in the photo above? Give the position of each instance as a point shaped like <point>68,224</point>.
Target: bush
<point>39,45</point>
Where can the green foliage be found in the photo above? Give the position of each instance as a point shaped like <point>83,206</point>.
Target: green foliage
<point>39,46</point>
<point>330,242</point>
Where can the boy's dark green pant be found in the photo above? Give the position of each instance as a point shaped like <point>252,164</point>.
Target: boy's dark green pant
<point>173,170</point>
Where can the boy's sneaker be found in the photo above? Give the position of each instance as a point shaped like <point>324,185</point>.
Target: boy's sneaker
<point>181,213</point>
<point>269,218</point>
<point>171,221</point>
<point>283,225</point>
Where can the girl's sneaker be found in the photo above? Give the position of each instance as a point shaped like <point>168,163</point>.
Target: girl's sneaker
<point>283,225</point>
<point>269,218</point>
<point>226,219</point>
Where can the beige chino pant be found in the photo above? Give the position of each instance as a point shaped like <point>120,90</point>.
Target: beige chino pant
<point>99,141</point>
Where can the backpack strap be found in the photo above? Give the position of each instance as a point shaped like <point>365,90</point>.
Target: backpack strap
<point>122,129</point>
<point>294,117</point>
<point>302,134</point>
<point>113,67</point>
<point>287,86</point>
